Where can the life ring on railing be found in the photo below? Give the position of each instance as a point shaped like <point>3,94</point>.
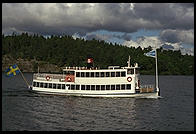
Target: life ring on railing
<point>68,79</point>
<point>47,77</point>
<point>129,79</point>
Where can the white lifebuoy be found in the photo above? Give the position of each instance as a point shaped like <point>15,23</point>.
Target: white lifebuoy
<point>129,79</point>
<point>47,77</point>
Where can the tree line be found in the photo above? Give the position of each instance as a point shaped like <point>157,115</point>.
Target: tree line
<point>66,51</point>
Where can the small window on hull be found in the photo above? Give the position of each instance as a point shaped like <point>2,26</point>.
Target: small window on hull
<point>107,87</point>
<point>92,74</point>
<point>59,86</point>
<point>122,74</point>
<point>45,85</point>
<point>128,86</point>
<point>97,87</point>
<point>107,74</point>
<point>97,74</point>
<point>92,87</point>
<point>87,74</point>
<point>112,87</point>
<point>54,86</point>
<point>38,84</point>
<point>77,74</point>
<point>102,87</point>
<point>34,84</point>
<point>123,87</point>
<point>87,87</point>
<point>50,85</point>
<point>117,87</point>
<point>63,86</point>
<point>72,87</point>
<point>77,87</point>
<point>82,87</point>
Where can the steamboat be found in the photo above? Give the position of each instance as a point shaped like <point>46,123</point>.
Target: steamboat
<point>115,81</point>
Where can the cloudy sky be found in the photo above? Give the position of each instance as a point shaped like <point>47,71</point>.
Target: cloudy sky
<point>131,24</point>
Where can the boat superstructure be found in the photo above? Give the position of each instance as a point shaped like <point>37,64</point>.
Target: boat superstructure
<point>115,81</point>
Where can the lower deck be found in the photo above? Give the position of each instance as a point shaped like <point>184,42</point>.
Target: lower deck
<point>75,86</point>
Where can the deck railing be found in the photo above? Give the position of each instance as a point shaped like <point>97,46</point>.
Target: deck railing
<point>53,76</point>
<point>147,88</point>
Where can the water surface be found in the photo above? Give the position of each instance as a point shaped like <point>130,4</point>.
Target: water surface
<point>24,110</point>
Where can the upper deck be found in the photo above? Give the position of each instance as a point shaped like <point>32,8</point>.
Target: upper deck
<point>115,74</point>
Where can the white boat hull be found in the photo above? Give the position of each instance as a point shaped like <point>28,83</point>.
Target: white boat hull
<point>124,93</point>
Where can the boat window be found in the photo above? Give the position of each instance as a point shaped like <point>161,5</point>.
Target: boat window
<point>123,74</point>
<point>92,87</point>
<point>54,85</point>
<point>102,74</point>
<point>82,87</point>
<point>97,74</point>
<point>34,84</point>
<point>112,74</point>
<point>128,86</point>
<point>63,86</point>
<point>37,84</point>
<point>102,87</point>
<point>82,74</point>
<point>130,71</point>
<point>45,85</point>
<point>117,74</point>
<point>87,74</point>
<point>50,85</point>
<point>92,74</point>
<point>59,86</point>
<point>117,87</point>
<point>123,87</point>
<point>97,87</point>
<point>87,87</point>
<point>77,74</point>
<point>72,87</point>
<point>107,74</point>
<point>77,87</point>
<point>107,87</point>
<point>41,84</point>
<point>112,87</point>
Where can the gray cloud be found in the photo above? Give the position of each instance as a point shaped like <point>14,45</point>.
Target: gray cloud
<point>71,18</point>
<point>174,36</point>
<point>168,15</point>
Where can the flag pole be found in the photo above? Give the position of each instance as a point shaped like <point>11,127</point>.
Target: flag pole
<point>157,82</point>
<point>24,78</point>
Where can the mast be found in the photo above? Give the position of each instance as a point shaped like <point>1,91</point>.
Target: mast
<point>129,61</point>
<point>24,77</point>
<point>157,82</point>
<point>38,69</point>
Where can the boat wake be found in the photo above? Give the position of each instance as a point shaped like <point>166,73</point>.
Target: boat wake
<point>151,97</point>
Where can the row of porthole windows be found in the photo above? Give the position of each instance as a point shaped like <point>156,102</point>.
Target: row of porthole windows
<point>101,74</point>
<point>82,87</point>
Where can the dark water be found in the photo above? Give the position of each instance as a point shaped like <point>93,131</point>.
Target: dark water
<point>24,110</point>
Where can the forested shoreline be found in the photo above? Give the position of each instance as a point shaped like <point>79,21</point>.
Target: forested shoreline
<point>53,53</point>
